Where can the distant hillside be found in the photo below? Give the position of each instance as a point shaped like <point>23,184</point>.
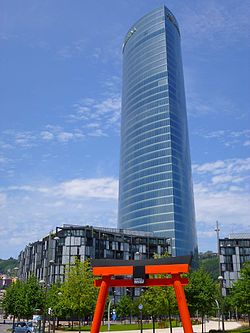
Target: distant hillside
<point>7,266</point>
<point>210,262</point>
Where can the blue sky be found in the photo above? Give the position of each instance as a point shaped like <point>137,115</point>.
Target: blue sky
<point>60,87</point>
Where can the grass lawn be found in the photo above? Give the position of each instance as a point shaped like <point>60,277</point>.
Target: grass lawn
<point>243,329</point>
<point>124,327</point>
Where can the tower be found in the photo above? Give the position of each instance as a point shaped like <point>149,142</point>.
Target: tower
<point>155,191</point>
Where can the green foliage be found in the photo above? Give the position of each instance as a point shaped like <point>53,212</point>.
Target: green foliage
<point>78,292</point>
<point>7,266</point>
<point>53,299</point>
<point>201,292</point>
<point>124,307</point>
<point>13,301</point>
<point>240,295</point>
<point>34,297</point>
<point>210,263</point>
<point>23,298</point>
<point>159,301</point>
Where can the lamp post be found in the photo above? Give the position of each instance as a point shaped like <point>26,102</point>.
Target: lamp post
<point>218,308</point>
<point>130,309</point>
<point>220,278</point>
<point>46,285</point>
<point>140,306</point>
<point>109,305</point>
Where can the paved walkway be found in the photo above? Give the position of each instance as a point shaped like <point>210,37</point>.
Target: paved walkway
<point>196,328</point>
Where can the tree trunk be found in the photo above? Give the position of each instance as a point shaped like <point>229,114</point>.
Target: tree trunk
<point>249,319</point>
<point>170,319</point>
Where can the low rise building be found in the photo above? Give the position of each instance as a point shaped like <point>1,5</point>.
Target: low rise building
<point>234,252</point>
<point>49,258</point>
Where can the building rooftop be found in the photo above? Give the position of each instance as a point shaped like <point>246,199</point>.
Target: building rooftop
<point>239,236</point>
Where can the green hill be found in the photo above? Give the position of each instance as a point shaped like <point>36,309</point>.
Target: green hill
<point>210,262</point>
<point>7,266</point>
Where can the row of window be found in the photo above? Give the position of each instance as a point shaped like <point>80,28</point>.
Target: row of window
<point>166,179</point>
<point>143,92</point>
<point>151,202</point>
<point>144,114</point>
<point>147,180</point>
<point>145,143</point>
<point>144,83</point>
<point>143,40</point>
<point>137,92</point>
<point>145,110</point>
<point>155,97</point>
<point>142,176</point>
<point>145,69</point>
<point>149,19</point>
<point>147,212</point>
<point>151,130</point>
<point>147,187</point>
<point>146,94</point>
<point>143,76</point>
<point>143,122</point>
<point>138,222</point>
<point>142,57</point>
<point>147,157</point>
<point>158,42</point>
<point>145,146</point>
<point>146,196</point>
<point>141,65</point>
<point>141,172</point>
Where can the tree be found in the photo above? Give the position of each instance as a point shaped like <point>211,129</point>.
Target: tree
<point>34,296</point>
<point>14,300</point>
<point>78,292</point>
<point>159,301</point>
<point>201,293</point>
<point>124,306</point>
<point>240,294</point>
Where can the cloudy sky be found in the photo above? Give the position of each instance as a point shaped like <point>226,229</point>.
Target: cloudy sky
<point>60,87</point>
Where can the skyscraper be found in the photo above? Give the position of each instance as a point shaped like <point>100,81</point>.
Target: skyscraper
<point>155,192</point>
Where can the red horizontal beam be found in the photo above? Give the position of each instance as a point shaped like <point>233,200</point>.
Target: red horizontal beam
<point>149,269</point>
<point>148,282</point>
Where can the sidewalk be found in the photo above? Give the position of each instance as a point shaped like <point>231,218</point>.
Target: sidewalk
<point>196,328</point>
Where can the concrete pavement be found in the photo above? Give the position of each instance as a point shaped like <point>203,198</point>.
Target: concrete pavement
<point>196,328</point>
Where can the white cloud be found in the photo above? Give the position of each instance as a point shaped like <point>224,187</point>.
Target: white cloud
<point>98,117</point>
<point>3,198</point>
<point>246,143</point>
<point>104,188</point>
<point>227,137</point>
<point>221,191</point>
<point>31,210</point>
<point>47,136</point>
<point>212,21</point>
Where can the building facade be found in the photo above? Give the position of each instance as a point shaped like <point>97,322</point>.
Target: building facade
<point>155,191</point>
<point>49,258</point>
<point>234,252</point>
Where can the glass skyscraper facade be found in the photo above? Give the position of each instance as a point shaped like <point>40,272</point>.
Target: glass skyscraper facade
<point>155,191</point>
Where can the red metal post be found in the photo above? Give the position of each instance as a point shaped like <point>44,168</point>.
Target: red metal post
<point>100,305</point>
<point>182,305</point>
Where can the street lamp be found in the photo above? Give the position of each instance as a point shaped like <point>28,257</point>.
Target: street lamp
<point>109,305</point>
<point>46,285</point>
<point>220,278</point>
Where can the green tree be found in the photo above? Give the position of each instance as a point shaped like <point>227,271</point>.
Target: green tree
<point>201,293</point>
<point>78,292</point>
<point>14,300</point>
<point>124,306</point>
<point>159,301</point>
<point>240,294</point>
<point>34,296</point>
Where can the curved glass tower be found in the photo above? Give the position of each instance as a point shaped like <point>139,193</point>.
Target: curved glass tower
<point>155,191</point>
